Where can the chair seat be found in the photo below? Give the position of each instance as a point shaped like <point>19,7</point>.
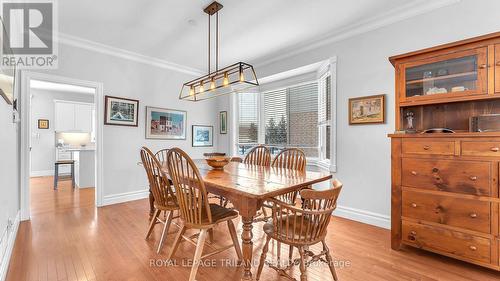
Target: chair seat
<point>62,162</point>
<point>298,227</point>
<point>219,214</point>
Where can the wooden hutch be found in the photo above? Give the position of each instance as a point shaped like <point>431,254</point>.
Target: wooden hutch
<point>445,190</point>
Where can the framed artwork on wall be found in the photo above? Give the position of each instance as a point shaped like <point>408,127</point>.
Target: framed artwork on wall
<point>223,122</point>
<point>203,136</point>
<point>165,124</point>
<point>367,110</point>
<point>43,124</point>
<point>121,111</point>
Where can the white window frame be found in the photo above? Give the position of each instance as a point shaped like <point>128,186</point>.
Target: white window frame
<point>330,165</point>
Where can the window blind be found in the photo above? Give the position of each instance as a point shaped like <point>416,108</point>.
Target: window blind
<point>275,117</point>
<point>324,105</point>
<point>291,117</point>
<point>248,118</point>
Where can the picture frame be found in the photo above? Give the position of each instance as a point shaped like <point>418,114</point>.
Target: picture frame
<point>367,110</point>
<point>165,124</point>
<point>202,136</point>
<point>121,111</point>
<point>223,122</point>
<point>43,124</point>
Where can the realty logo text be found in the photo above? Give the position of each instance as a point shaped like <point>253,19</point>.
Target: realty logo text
<point>29,35</point>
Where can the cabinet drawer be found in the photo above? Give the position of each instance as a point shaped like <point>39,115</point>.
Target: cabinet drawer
<point>481,148</point>
<point>428,147</point>
<point>469,177</point>
<point>447,241</point>
<point>464,213</point>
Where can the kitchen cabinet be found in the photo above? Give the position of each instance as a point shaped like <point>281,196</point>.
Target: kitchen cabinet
<point>73,117</point>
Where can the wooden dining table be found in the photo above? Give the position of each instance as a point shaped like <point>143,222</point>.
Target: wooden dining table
<point>247,187</point>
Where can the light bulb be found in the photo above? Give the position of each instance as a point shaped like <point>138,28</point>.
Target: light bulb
<point>242,78</point>
<point>225,82</point>
<point>202,89</point>
<point>191,91</point>
<point>212,84</point>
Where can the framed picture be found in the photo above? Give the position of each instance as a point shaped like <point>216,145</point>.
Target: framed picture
<point>121,111</point>
<point>367,110</point>
<point>203,136</point>
<point>165,124</point>
<point>223,122</point>
<point>43,124</point>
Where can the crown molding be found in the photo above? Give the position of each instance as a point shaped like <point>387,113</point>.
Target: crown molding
<point>395,15</point>
<point>78,42</point>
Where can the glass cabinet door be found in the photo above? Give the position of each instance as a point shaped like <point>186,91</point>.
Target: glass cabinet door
<point>456,74</point>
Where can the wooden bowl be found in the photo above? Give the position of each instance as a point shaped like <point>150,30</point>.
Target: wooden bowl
<point>218,162</point>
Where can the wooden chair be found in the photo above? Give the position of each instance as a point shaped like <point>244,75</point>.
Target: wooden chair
<point>161,155</point>
<point>259,155</point>
<point>302,228</point>
<point>164,197</point>
<point>195,210</point>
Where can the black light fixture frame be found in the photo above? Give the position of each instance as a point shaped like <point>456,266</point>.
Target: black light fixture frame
<point>236,68</point>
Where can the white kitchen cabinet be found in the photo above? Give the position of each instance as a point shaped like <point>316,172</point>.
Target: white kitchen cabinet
<point>65,116</point>
<point>73,117</point>
<point>83,117</point>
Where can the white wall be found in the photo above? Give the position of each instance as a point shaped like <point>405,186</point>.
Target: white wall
<point>43,140</point>
<point>9,179</point>
<point>363,152</point>
<point>152,86</point>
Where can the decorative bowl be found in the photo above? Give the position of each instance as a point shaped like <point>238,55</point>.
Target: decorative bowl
<point>218,162</point>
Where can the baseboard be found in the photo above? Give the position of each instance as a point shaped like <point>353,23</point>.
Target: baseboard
<point>363,216</point>
<point>5,260</point>
<point>125,197</point>
<point>44,173</point>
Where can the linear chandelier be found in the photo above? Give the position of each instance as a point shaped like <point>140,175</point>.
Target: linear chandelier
<point>230,79</point>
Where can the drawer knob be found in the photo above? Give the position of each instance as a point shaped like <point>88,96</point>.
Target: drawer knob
<point>473,215</point>
<point>414,205</point>
<point>413,232</point>
<point>495,149</point>
<point>426,147</point>
<point>473,178</point>
<point>435,170</point>
<point>472,248</point>
<point>483,66</point>
<point>498,63</point>
<point>414,173</point>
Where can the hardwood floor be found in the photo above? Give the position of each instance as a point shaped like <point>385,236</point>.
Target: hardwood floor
<point>69,239</point>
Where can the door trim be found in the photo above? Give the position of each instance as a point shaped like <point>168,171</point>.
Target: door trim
<point>26,77</point>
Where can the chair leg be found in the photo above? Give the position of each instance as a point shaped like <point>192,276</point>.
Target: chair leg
<point>177,241</point>
<point>56,176</point>
<point>73,175</point>
<point>165,231</point>
<point>197,254</point>
<point>330,261</point>
<point>290,253</point>
<point>263,257</point>
<point>234,237</point>
<point>211,235</point>
<point>152,223</point>
<point>303,270</point>
<point>278,253</point>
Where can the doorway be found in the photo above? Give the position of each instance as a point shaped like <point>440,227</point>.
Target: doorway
<point>61,143</point>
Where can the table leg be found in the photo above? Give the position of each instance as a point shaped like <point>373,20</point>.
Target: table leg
<point>247,247</point>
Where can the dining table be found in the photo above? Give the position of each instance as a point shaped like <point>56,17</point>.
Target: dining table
<point>247,186</point>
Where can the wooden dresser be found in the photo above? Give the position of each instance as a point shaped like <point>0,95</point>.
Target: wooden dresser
<point>445,190</point>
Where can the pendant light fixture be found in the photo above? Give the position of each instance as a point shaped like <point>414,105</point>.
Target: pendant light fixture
<point>234,78</point>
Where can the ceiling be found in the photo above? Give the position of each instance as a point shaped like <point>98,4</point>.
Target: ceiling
<point>176,31</point>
